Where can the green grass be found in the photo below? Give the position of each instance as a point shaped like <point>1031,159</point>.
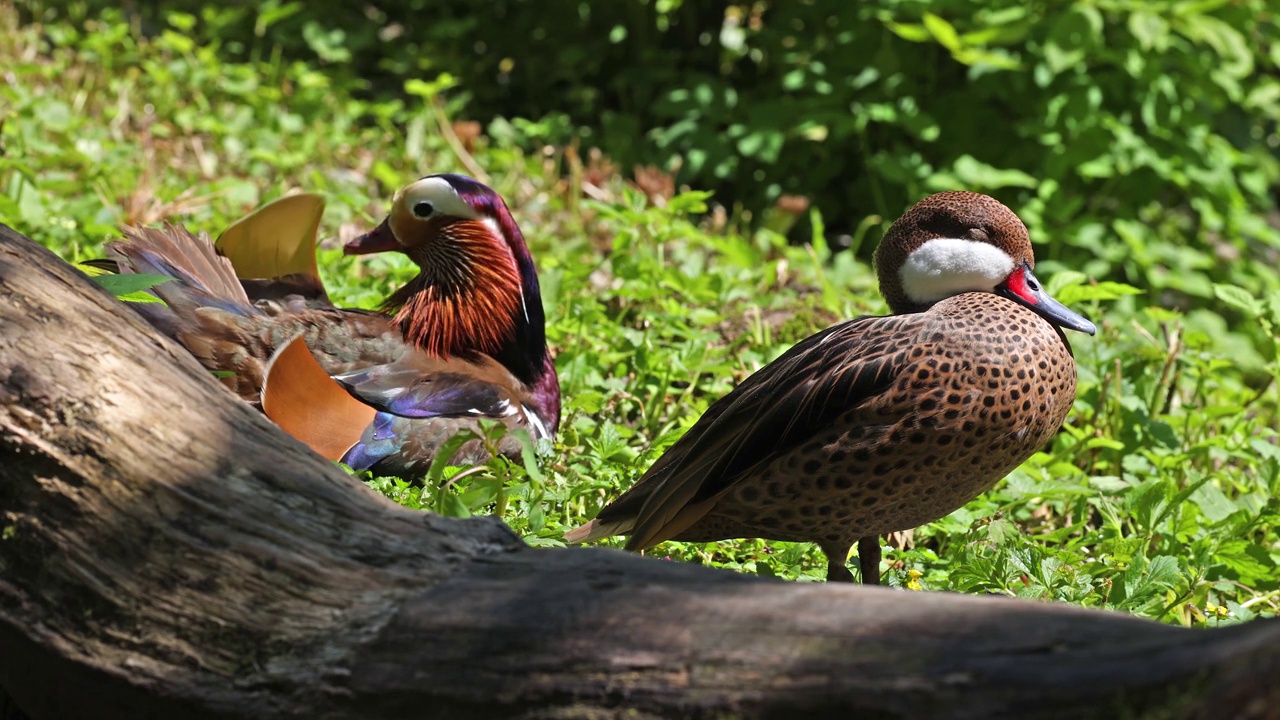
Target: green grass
<point>1161,497</point>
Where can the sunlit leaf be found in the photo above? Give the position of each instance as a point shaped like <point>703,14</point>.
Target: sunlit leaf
<point>130,288</point>
<point>1238,297</point>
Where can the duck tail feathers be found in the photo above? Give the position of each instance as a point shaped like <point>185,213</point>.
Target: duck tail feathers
<point>200,276</point>
<point>596,530</point>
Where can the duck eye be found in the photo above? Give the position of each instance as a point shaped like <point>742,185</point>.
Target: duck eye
<point>423,209</point>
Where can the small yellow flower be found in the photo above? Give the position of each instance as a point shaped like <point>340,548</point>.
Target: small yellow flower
<point>913,579</point>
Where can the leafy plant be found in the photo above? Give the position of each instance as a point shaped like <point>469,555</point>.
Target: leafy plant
<point>130,288</point>
<point>1161,497</point>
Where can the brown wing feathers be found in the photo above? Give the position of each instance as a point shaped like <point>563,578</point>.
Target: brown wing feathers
<point>762,417</point>
<point>175,252</point>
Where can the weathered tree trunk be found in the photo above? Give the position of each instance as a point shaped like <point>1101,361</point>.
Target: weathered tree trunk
<point>165,552</point>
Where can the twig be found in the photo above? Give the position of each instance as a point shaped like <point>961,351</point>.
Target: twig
<point>446,129</point>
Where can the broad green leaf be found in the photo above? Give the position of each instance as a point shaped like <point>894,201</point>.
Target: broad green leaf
<point>909,31</point>
<point>977,174</point>
<point>272,12</point>
<point>452,505</point>
<point>1105,290</point>
<point>1238,297</point>
<point>1273,303</point>
<point>1109,484</point>
<point>1002,531</point>
<point>942,31</point>
<point>440,463</point>
<point>1063,278</point>
<point>429,90</point>
<point>1212,502</point>
<point>1163,570</point>
<point>1249,561</point>
<point>1150,29</point>
<point>130,288</point>
<point>537,518</point>
<point>528,455</point>
<point>692,202</point>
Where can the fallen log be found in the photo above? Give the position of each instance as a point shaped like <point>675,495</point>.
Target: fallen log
<point>166,552</point>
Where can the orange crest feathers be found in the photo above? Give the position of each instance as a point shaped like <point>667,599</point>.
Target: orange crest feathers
<point>467,296</point>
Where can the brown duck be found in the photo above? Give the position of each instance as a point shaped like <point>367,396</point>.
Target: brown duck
<point>379,390</point>
<point>878,424</point>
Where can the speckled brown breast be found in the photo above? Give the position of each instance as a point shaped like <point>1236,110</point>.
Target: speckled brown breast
<point>982,384</point>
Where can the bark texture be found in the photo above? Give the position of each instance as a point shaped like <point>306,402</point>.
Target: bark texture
<point>165,552</point>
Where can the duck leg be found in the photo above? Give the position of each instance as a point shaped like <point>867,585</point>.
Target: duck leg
<point>869,559</point>
<point>837,555</point>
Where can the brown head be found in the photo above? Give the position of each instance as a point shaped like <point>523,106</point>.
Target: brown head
<point>477,292</point>
<point>958,242</point>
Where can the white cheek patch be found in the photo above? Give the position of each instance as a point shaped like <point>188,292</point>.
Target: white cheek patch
<point>943,267</point>
<point>443,198</point>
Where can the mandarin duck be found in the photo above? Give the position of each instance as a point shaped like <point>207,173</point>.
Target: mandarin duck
<point>378,390</point>
<point>877,424</point>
